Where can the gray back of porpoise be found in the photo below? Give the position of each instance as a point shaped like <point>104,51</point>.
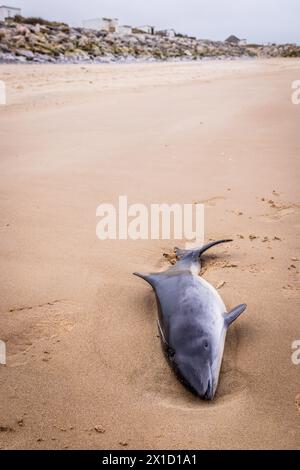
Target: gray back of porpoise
<point>192,321</point>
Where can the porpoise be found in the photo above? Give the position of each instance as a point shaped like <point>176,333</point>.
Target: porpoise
<point>192,321</point>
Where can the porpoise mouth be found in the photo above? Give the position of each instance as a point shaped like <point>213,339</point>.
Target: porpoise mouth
<point>206,392</point>
<point>209,394</point>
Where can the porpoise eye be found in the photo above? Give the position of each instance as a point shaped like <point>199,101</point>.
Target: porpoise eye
<point>171,353</point>
<point>206,345</point>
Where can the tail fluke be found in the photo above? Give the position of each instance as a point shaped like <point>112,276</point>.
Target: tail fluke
<point>198,252</point>
<point>211,245</point>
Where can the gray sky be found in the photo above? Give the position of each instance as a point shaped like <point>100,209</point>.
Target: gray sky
<point>257,20</point>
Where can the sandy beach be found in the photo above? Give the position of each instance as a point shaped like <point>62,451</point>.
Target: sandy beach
<point>84,362</point>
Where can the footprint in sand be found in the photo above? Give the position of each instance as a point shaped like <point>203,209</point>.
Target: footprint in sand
<point>290,290</point>
<point>212,202</point>
<point>279,209</point>
<point>23,327</point>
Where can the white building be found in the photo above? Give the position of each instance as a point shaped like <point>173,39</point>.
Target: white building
<point>111,25</point>
<point>168,33</point>
<point>8,12</point>
<point>125,29</point>
<point>147,29</point>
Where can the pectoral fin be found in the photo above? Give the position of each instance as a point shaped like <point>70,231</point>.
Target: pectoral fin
<point>234,314</point>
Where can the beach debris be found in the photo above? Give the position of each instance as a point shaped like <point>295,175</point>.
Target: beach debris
<point>171,257</point>
<point>20,422</point>
<point>295,259</point>
<point>292,267</point>
<point>123,443</point>
<point>100,429</point>
<point>265,239</point>
<point>7,429</point>
<point>220,285</point>
<point>241,237</point>
<point>252,237</point>
<point>229,265</point>
<point>277,239</point>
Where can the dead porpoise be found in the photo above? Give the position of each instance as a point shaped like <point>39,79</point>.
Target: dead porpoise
<point>192,321</point>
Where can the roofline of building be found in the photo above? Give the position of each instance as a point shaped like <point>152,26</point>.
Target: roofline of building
<point>101,19</point>
<point>10,8</point>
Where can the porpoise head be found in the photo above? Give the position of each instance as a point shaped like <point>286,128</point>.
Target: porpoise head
<point>197,363</point>
<point>197,358</point>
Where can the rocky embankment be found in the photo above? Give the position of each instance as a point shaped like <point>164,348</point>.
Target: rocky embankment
<point>58,43</point>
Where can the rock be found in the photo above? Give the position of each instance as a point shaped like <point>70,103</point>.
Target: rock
<point>28,54</point>
<point>100,429</point>
<point>37,29</point>
<point>57,42</point>
<point>22,29</point>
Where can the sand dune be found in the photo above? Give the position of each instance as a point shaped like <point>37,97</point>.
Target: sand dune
<point>84,366</point>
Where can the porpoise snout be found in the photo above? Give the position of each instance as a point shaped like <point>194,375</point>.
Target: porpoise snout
<point>199,381</point>
<point>210,392</point>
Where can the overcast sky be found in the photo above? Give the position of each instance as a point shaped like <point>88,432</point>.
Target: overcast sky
<point>256,20</point>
